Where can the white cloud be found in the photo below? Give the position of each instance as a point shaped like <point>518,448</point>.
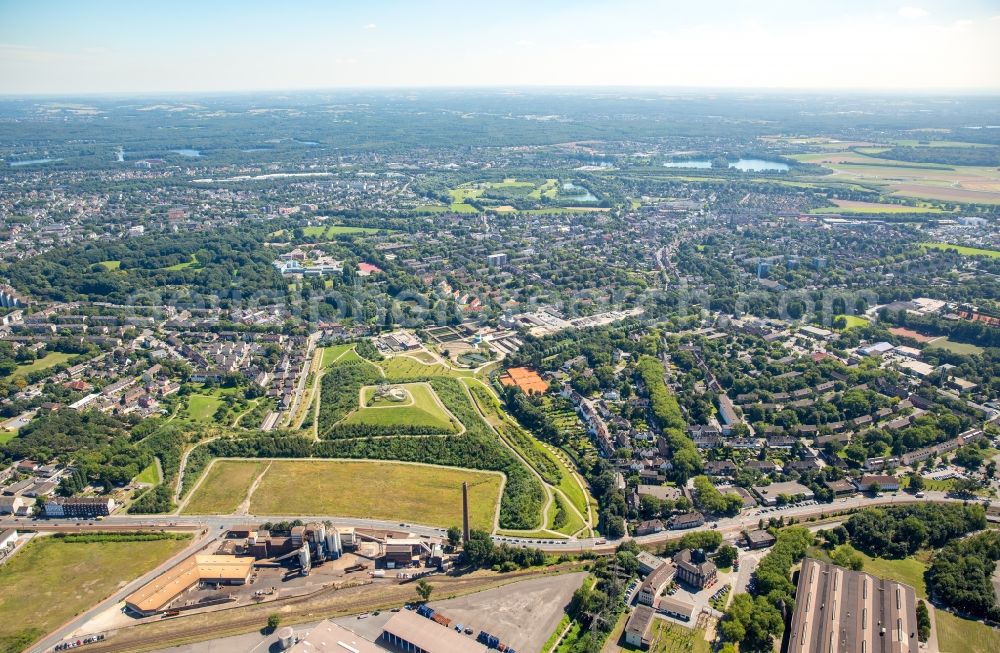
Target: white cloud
<point>371,26</point>
<point>963,23</point>
<point>913,12</point>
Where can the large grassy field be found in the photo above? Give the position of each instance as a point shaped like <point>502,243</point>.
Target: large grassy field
<point>965,251</point>
<point>330,231</point>
<point>150,475</point>
<point>978,184</point>
<point>51,581</point>
<point>202,407</point>
<point>224,488</point>
<point>955,347</point>
<point>379,490</point>
<point>331,354</point>
<point>853,206</point>
<point>853,321</point>
<point>909,571</point>
<point>404,367</point>
<point>50,359</point>
<point>420,408</point>
<point>957,635</point>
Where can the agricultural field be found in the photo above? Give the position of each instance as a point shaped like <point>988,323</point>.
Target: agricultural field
<point>50,359</point>
<point>419,406</point>
<point>224,488</point>
<point>980,184</point>
<point>51,580</point>
<point>424,494</point>
<point>853,206</point>
<point>964,251</point>
<point>958,635</point>
<point>110,265</point>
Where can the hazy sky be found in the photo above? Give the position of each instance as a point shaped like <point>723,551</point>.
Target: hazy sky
<point>83,46</point>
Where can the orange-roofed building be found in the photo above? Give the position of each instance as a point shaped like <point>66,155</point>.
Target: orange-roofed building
<point>526,379</point>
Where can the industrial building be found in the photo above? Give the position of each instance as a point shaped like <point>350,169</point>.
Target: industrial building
<point>409,632</point>
<point>841,610</point>
<point>158,593</point>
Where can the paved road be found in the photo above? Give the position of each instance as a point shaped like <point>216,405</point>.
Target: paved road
<point>726,526</point>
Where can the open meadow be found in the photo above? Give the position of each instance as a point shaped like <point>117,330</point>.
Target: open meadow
<point>224,488</point>
<point>419,407</point>
<point>402,492</point>
<point>50,359</point>
<point>958,635</point>
<point>52,580</point>
<point>961,249</point>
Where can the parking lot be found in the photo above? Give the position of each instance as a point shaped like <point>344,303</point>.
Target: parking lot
<point>522,614</point>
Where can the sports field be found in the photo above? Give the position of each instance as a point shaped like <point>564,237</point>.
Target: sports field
<point>50,359</point>
<point>224,488</point>
<point>955,347</point>
<point>51,580</point>
<point>420,407</point>
<point>378,490</point>
<point>965,251</point>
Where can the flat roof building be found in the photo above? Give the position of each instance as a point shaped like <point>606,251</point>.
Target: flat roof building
<point>769,493</point>
<point>843,610</point>
<point>328,637</point>
<point>410,632</point>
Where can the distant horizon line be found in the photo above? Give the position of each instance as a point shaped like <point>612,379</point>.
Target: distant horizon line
<point>764,90</point>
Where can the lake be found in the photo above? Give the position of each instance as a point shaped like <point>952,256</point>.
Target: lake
<point>759,165</point>
<point>743,165</point>
<point>32,162</point>
<point>584,194</point>
<point>691,163</point>
<point>186,152</point>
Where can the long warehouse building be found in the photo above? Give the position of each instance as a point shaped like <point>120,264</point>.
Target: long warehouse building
<point>409,632</point>
<point>843,611</point>
<point>158,593</point>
